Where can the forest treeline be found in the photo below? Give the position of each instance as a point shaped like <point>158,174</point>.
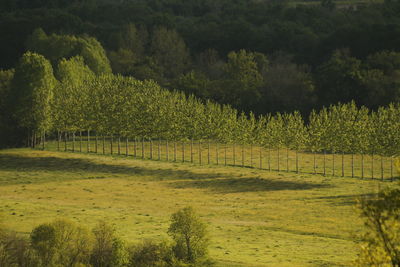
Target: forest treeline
<point>259,56</point>
<point>74,97</point>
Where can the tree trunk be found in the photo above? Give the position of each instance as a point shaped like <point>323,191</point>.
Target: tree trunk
<point>159,148</point>
<point>135,147</point>
<point>315,165</point>
<point>216,153</point>
<point>58,140</point>
<point>167,149</point>
<point>65,141</point>
<point>391,168</point>
<point>111,145</point>
<point>151,148</point>
<point>183,151</point>
<point>104,145</point>
<point>381,167</point>
<point>372,166</point>
<point>208,152</point>
<point>251,155</point>
<point>174,151</point>
<point>362,166</point>
<point>88,141</point>
<point>342,164</point>
<point>95,142</point>
<point>191,150</point>
<point>234,155</point>
<point>200,152</point>
<point>287,159</point>
<point>119,145</point>
<point>242,155</point>
<point>225,154</point>
<point>260,157</point>
<point>269,158</point>
<point>44,141</point>
<point>143,154</point>
<point>80,141</point>
<point>127,147</point>
<point>73,141</point>
<point>279,168</point>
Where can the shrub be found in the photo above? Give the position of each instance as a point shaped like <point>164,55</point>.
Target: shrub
<point>108,249</point>
<point>151,254</point>
<point>61,243</point>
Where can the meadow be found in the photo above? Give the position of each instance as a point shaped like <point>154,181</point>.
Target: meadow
<point>255,217</point>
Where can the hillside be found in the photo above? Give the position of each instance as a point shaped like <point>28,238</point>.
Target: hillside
<point>255,217</point>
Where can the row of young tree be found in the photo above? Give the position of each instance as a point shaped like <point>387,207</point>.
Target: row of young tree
<point>65,243</point>
<point>78,99</point>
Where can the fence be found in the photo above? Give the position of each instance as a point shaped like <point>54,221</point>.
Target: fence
<point>209,152</point>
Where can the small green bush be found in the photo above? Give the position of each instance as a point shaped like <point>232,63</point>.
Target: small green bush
<point>152,254</point>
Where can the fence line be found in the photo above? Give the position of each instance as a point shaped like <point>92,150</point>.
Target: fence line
<point>349,165</point>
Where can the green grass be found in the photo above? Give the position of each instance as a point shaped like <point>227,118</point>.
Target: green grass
<point>255,217</point>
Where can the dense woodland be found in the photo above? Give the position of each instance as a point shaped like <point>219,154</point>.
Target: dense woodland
<point>259,57</point>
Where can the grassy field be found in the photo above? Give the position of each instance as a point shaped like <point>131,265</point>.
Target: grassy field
<point>255,217</point>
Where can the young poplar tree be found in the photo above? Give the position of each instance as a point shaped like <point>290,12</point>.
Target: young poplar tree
<point>32,93</point>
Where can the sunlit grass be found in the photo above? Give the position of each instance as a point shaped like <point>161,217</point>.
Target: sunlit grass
<point>255,217</point>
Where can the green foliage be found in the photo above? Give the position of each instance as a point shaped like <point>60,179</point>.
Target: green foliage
<point>382,241</point>
<point>55,47</point>
<point>32,92</point>
<point>61,243</point>
<point>151,254</point>
<point>108,249</point>
<point>397,165</point>
<point>190,236</point>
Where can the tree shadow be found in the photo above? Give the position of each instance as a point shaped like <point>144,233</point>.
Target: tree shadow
<point>66,168</point>
<point>346,200</point>
<point>20,163</point>
<point>238,185</point>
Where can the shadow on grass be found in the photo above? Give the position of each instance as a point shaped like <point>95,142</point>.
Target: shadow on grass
<point>65,169</point>
<point>237,185</point>
<point>347,200</point>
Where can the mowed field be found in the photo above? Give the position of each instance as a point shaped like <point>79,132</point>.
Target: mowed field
<point>255,217</point>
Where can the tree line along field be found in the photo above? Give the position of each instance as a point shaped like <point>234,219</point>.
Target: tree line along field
<point>255,217</point>
<point>253,156</point>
